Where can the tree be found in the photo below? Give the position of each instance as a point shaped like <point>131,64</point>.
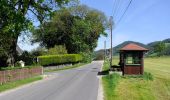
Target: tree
<point>16,18</point>
<point>77,27</point>
<point>57,50</point>
<point>159,48</point>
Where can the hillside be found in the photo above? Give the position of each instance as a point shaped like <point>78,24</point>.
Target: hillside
<point>150,46</point>
<point>165,51</point>
<point>99,54</point>
<point>118,47</point>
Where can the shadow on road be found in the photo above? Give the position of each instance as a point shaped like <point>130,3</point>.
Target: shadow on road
<point>103,72</point>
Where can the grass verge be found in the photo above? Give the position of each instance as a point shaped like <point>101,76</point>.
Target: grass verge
<point>129,87</point>
<point>11,85</point>
<point>65,68</point>
<point>109,84</point>
<point>154,85</point>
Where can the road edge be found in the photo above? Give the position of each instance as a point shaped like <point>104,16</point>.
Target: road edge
<point>100,95</point>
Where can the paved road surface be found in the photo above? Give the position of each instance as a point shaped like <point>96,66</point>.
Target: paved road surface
<point>75,84</point>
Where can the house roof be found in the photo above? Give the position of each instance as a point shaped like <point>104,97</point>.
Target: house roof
<point>133,47</point>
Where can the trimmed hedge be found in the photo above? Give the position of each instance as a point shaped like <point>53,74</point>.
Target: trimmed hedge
<point>59,59</point>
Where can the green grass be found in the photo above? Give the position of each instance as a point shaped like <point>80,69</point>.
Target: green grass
<point>11,85</point>
<point>106,65</point>
<point>67,67</point>
<point>154,86</point>
<point>110,82</point>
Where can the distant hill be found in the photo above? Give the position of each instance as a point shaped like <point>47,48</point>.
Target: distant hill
<point>99,54</point>
<point>118,47</point>
<point>166,51</point>
<point>150,46</point>
<point>166,40</point>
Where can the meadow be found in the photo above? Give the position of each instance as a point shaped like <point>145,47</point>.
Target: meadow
<point>137,88</point>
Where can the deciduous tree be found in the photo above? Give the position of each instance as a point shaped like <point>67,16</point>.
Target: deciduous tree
<point>16,18</point>
<point>77,27</point>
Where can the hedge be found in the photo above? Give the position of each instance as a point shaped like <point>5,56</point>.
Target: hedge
<point>59,59</point>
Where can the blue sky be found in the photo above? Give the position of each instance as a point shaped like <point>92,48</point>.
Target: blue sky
<point>145,21</point>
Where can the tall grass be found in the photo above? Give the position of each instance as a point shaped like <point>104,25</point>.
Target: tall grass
<point>109,83</point>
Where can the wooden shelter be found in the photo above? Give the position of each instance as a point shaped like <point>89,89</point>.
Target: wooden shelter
<point>131,59</point>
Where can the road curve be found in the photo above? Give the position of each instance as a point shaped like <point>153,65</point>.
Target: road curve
<point>75,84</point>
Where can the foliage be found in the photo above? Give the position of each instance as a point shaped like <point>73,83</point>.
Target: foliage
<point>159,47</point>
<point>17,17</point>
<point>77,27</point>
<point>17,64</point>
<point>99,56</point>
<point>106,65</point>
<point>39,52</point>
<point>27,58</point>
<point>59,59</point>
<point>86,57</point>
<point>57,50</point>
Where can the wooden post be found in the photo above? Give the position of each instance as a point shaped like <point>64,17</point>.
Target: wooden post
<point>111,23</point>
<point>142,63</point>
<point>104,51</point>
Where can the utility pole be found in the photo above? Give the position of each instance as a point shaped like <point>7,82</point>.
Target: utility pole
<point>104,51</point>
<point>111,25</point>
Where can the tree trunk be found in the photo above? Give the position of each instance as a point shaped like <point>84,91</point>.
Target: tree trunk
<point>12,54</point>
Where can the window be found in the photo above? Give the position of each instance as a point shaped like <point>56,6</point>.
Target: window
<point>132,59</point>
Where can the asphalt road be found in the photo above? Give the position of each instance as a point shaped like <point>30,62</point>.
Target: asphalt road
<point>75,84</point>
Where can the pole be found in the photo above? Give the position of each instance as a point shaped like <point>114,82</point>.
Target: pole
<point>104,51</point>
<point>111,22</point>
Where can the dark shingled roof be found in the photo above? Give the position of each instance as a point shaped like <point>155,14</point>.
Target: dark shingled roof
<point>133,47</point>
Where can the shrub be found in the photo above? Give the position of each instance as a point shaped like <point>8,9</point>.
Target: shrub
<point>59,59</point>
<point>26,57</point>
<point>147,76</point>
<point>86,57</point>
<point>17,64</point>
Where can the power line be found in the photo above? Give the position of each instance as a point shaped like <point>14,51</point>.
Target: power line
<point>121,8</point>
<point>124,12</point>
<point>114,7</point>
<point>117,8</point>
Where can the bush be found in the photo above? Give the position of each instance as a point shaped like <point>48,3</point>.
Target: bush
<point>147,76</point>
<point>17,64</point>
<point>59,59</point>
<point>26,57</point>
<point>86,57</point>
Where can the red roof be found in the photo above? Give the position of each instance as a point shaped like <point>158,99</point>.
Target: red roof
<point>135,47</point>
